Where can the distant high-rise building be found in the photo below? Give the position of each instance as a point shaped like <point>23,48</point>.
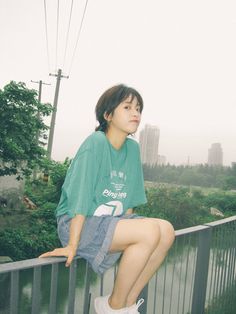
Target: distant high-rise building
<point>149,142</point>
<point>215,155</point>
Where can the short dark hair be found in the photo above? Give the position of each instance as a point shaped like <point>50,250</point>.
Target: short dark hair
<point>110,99</point>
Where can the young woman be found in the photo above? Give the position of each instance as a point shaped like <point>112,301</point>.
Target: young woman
<point>95,213</point>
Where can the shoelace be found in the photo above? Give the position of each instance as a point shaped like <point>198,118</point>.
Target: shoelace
<point>138,304</point>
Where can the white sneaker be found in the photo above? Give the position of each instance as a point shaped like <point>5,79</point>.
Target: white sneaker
<point>133,309</point>
<point>102,307</point>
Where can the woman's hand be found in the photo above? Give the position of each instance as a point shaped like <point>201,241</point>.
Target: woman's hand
<point>68,251</point>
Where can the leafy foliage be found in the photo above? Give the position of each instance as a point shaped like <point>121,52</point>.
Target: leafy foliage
<point>224,201</point>
<point>21,125</point>
<point>176,205</point>
<point>31,241</point>
<point>41,192</point>
<point>200,175</point>
<point>185,208</point>
<point>39,235</point>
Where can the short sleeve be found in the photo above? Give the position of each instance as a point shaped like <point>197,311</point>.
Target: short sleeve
<point>78,188</point>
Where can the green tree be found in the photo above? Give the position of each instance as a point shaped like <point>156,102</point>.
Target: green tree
<point>30,241</point>
<point>182,208</point>
<point>21,124</point>
<point>170,175</point>
<point>41,192</point>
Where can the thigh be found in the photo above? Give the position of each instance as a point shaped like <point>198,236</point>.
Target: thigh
<point>131,231</point>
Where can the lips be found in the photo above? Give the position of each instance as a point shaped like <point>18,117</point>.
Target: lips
<point>136,121</point>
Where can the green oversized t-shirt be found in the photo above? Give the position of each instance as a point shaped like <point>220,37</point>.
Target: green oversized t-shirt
<point>102,180</point>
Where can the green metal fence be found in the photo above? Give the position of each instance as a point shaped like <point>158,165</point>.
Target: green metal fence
<point>198,276</point>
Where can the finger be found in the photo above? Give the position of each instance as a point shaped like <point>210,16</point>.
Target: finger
<point>45,254</point>
<point>69,260</point>
<point>56,252</point>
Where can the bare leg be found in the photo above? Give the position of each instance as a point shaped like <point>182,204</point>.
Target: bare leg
<point>138,238</point>
<point>155,260</point>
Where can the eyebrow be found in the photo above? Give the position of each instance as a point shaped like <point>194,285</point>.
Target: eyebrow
<point>129,102</point>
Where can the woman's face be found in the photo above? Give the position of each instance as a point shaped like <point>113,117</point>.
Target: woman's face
<point>126,117</point>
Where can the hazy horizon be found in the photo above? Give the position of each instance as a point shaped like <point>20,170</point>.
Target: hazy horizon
<point>180,55</point>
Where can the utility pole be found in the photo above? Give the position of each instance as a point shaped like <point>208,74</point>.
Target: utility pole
<point>53,119</point>
<point>39,99</point>
<point>38,116</point>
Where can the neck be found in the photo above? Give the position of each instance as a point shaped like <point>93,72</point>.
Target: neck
<point>116,139</point>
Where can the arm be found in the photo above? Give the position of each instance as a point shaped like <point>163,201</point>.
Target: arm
<point>70,250</point>
<point>75,230</point>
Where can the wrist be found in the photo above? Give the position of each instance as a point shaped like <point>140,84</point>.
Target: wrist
<point>72,246</point>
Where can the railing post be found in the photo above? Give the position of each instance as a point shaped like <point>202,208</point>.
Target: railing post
<point>14,292</point>
<point>53,290</point>
<point>72,287</point>
<point>144,295</point>
<point>201,271</point>
<point>36,290</point>
<point>87,295</point>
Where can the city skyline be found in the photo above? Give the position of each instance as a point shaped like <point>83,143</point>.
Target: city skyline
<point>179,55</point>
<point>149,138</point>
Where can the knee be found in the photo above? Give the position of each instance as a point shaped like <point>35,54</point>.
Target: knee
<point>167,233</point>
<point>151,233</point>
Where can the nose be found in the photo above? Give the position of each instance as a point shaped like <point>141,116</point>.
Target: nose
<point>135,113</point>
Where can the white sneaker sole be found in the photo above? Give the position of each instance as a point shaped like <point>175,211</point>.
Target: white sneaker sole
<point>96,307</point>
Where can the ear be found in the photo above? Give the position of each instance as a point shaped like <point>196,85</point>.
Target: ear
<point>107,117</point>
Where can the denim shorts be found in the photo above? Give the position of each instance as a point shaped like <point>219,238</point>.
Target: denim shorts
<point>95,239</point>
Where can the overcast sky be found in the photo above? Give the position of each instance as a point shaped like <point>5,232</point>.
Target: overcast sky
<point>180,55</point>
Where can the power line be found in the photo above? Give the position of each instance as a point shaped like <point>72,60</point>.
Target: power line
<point>67,35</point>
<point>58,9</point>
<point>78,36</point>
<point>46,32</point>
<point>40,88</point>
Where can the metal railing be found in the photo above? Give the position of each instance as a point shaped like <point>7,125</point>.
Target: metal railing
<point>198,276</point>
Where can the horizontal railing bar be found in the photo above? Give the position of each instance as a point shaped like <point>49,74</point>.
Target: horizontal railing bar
<point>31,263</point>
<point>204,226</point>
<point>221,221</point>
<point>190,230</point>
